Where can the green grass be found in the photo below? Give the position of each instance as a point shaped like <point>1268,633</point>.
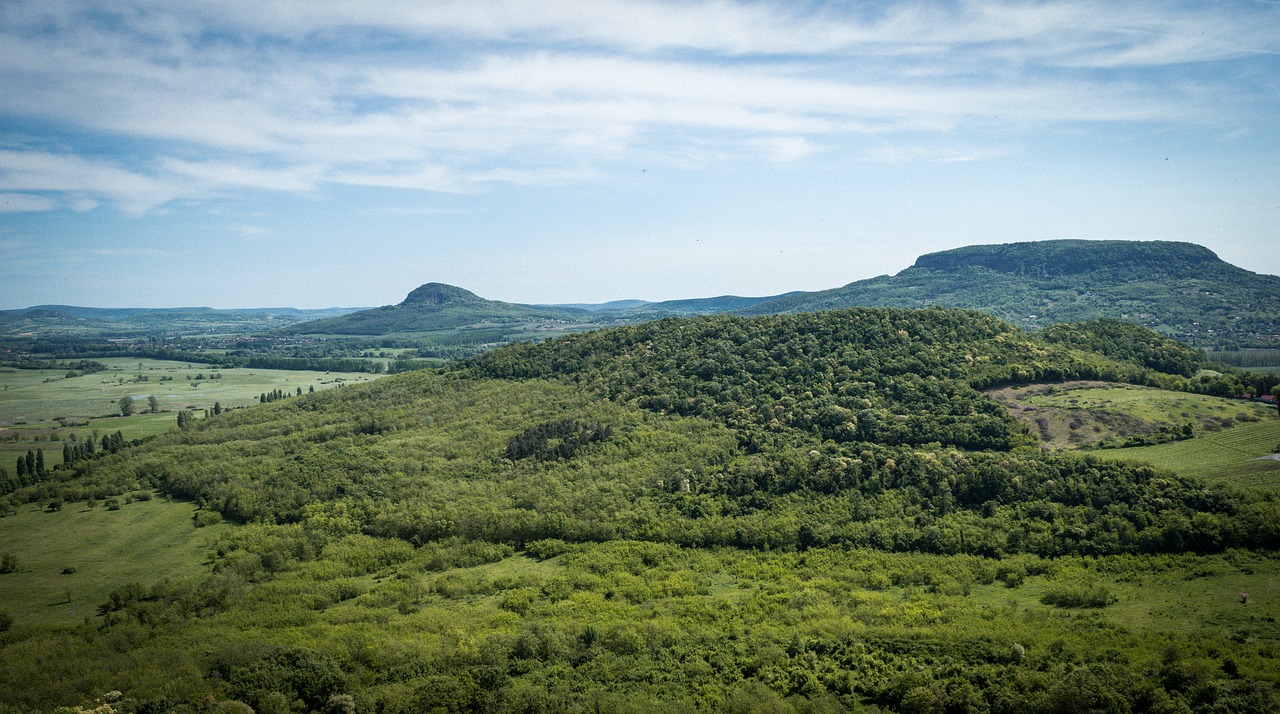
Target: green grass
<point>43,408</point>
<point>1090,414</point>
<point>1228,456</point>
<point>144,542</point>
<point>1187,595</point>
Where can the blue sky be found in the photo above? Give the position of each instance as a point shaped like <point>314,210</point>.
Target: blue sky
<point>315,153</point>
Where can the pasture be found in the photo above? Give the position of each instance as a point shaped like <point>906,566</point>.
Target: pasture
<point>40,409</point>
<point>70,560</point>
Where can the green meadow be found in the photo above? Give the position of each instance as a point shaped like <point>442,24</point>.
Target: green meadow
<point>1093,414</point>
<point>1232,456</point>
<point>41,409</point>
<point>69,560</point>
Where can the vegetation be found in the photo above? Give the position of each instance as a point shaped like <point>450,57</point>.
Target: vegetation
<point>1102,415</point>
<point>52,408</point>
<point>1179,289</point>
<point>798,512</point>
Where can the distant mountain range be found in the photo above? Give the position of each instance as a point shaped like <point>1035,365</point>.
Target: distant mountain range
<point>1179,289</point>
<point>72,321</point>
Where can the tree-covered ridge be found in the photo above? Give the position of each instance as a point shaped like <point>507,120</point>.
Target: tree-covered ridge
<point>1180,289</point>
<point>880,375</point>
<point>426,456</point>
<point>1128,342</point>
<point>1058,258</point>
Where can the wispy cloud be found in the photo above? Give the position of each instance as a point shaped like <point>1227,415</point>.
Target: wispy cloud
<point>25,203</point>
<point>447,96</point>
<point>129,252</point>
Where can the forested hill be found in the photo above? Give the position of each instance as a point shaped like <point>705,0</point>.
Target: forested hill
<point>694,514</point>
<point>434,306</point>
<point>1180,289</point>
<point>882,375</point>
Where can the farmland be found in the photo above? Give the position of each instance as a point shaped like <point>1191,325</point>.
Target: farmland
<point>42,408</point>
<point>1233,456</point>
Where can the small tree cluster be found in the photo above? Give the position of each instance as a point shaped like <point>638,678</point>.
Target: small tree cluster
<point>78,451</point>
<point>30,470</point>
<point>555,440</point>
<point>273,395</point>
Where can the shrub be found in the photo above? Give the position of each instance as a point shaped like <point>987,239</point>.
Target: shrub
<point>206,518</point>
<point>8,563</point>
<point>1077,595</point>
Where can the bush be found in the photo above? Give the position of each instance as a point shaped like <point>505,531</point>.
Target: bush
<point>8,563</point>
<point>6,620</point>
<point>1077,595</point>
<point>206,518</point>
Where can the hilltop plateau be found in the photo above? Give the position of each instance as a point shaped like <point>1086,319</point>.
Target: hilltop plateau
<point>1179,289</point>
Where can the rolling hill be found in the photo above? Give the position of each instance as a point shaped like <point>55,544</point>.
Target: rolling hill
<point>1179,289</point>
<point>45,321</point>
<point>435,306</point>
<point>801,512</point>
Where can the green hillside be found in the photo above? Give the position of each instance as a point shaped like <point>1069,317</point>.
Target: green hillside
<point>433,307</point>
<point>811,512</point>
<point>1179,289</point>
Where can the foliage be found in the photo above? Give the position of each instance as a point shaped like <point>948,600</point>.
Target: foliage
<point>806,512</point>
<point>1180,289</point>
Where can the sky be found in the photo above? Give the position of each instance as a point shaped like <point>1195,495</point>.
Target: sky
<point>318,153</point>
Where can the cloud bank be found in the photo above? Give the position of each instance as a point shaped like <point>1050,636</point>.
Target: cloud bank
<point>142,103</point>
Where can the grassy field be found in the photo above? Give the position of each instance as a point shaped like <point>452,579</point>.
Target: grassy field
<point>1229,456</point>
<point>1088,414</point>
<point>143,541</point>
<point>43,408</point>
<point>1179,594</point>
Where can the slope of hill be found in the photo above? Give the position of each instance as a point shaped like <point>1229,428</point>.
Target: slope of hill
<point>1179,289</point>
<point>434,306</point>
<point>813,512</point>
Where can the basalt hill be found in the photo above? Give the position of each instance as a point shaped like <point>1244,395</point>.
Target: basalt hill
<point>1181,290</point>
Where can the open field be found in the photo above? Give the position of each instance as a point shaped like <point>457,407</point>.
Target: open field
<point>1229,456</point>
<point>143,541</point>
<point>44,408</point>
<point>1090,414</point>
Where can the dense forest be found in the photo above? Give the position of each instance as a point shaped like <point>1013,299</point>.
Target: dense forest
<point>781,513</point>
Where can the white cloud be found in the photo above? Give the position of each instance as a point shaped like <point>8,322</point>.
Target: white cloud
<point>441,96</point>
<point>249,231</point>
<point>25,203</point>
<point>43,171</point>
